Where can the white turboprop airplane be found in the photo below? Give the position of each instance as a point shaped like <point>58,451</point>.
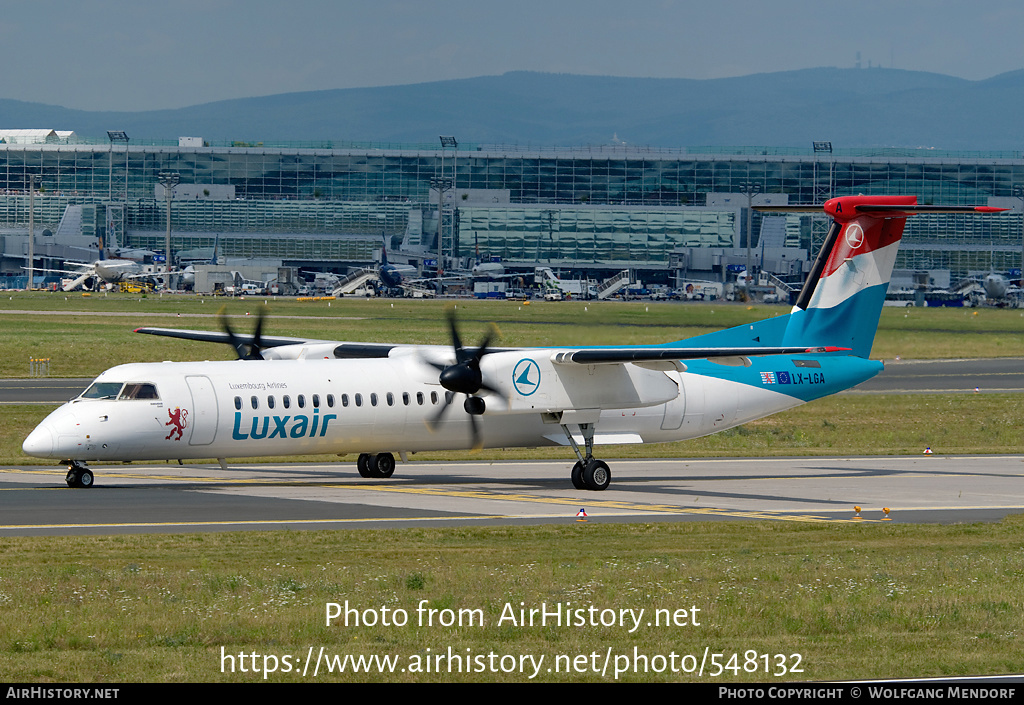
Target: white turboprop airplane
<point>286,396</point>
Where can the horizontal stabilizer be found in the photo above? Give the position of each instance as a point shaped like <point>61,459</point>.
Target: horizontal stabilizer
<point>883,209</point>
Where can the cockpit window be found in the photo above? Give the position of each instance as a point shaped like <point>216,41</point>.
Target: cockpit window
<point>102,390</point>
<point>139,390</point>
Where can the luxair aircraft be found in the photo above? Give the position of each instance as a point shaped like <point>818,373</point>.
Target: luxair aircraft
<point>287,396</point>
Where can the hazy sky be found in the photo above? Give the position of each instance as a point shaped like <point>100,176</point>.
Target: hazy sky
<point>142,54</point>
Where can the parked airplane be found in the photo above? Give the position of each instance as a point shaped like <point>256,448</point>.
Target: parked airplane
<point>104,271</point>
<point>285,396</point>
<point>1000,291</point>
<point>391,275</point>
<point>116,264</point>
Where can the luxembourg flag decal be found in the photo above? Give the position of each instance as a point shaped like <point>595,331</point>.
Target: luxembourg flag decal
<point>767,378</point>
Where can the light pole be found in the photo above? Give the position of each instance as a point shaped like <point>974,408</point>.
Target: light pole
<point>749,188</point>
<point>1018,192</point>
<point>168,179</point>
<point>31,230</point>
<point>442,185</point>
<point>447,142</point>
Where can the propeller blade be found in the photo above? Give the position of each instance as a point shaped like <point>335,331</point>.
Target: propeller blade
<point>244,351</point>
<point>434,420</point>
<point>257,338</point>
<point>474,434</point>
<point>456,342</point>
<point>464,377</point>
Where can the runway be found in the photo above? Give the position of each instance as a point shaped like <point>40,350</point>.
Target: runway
<point>174,499</point>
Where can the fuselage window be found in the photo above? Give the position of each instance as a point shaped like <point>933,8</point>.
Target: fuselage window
<point>405,398</point>
<point>344,399</point>
<point>286,401</point>
<point>330,401</point>
<point>419,398</point>
<point>359,399</point>
<point>373,399</point>
<point>270,402</point>
<point>301,399</point>
<point>316,401</point>
<point>448,396</point>
<point>238,403</point>
<point>433,397</point>
<point>139,390</point>
<point>255,402</point>
<point>391,399</point>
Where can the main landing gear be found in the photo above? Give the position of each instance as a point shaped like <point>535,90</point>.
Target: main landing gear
<point>376,464</point>
<point>78,475</point>
<point>588,473</point>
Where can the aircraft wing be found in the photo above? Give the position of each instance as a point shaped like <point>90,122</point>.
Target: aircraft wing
<point>209,336</point>
<point>584,356</point>
<point>341,350</point>
<point>598,356</point>
<point>75,272</point>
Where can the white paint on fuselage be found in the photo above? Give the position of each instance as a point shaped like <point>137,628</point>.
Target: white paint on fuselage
<point>206,395</point>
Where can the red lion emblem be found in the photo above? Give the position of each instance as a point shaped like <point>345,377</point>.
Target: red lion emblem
<point>179,420</point>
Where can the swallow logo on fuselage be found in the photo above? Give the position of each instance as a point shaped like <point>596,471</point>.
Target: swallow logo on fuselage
<point>526,377</point>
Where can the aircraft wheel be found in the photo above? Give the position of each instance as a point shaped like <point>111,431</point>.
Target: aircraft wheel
<point>596,475</point>
<point>383,465</point>
<point>577,476</point>
<point>363,465</point>
<point>79,477</point>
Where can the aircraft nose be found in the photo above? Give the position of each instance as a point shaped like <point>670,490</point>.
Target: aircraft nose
<point>39,443</point>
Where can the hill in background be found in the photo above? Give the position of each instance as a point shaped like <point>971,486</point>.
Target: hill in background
<point>850,107</point>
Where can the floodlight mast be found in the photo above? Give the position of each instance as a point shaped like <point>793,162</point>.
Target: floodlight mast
<point>751,189</point>
<point>1018,192</point>
<point>443,183</point>
<point>168,179</point>
<point>31,230</point>
<point>122,137</point>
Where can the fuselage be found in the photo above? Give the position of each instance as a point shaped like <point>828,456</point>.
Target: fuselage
<point>179,410</point>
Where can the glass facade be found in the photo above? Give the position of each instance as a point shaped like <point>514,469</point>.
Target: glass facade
<point>595,234</point>
<point>614,203</point>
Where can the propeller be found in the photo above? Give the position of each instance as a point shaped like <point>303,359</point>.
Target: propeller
<point>244,350</point>
<point>464,377</point>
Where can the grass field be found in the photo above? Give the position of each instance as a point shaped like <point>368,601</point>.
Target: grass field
<point>852,601</point>
<point>84,335</point>
<point>837,602</point>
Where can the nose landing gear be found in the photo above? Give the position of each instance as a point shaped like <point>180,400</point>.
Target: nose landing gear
<point>79,476</point>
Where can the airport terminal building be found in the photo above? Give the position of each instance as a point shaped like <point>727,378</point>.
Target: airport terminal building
<point>655,211</point>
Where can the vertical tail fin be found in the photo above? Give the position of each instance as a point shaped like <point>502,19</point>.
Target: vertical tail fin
<point>845,289</point>
<point>841,301</point>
